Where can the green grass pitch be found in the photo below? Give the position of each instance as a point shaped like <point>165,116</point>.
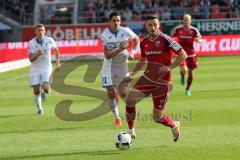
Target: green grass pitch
<point>210,120</point>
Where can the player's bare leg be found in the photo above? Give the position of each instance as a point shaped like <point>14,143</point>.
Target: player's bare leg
<point>159,116</point>
<point>183,70</point>
<point>189,81</point>
<point>45,90</point>
<point>113,103</point>
<point>37,99</point>
<point>133,97</point>
<point>46,87</point>
<point>122,91</point>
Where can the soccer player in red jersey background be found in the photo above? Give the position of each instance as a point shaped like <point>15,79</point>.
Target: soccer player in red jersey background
<point>186,35</point>
<point>156,79</point>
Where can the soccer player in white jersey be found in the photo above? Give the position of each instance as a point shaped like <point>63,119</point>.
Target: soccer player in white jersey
<point>116,41</point>
<point>41,66</point>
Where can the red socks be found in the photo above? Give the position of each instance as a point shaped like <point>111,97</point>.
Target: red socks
<point>166,121</point>
<point>130,116</point>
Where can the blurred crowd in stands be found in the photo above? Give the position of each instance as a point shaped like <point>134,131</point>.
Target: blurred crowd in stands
<point>17,9</point>
<point>21,6</point>
<point>96,11</point>
<point>136,10</point>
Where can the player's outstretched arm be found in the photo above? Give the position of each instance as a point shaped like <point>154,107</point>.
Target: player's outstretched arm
<point>35,55</point>
<point>57,58</point>
<point>137,68</point>
<point>111,53</point>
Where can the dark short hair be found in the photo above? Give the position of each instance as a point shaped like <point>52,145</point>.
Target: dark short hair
<point>39,25</point>
<point>151,17</point>
<point>113,14</point>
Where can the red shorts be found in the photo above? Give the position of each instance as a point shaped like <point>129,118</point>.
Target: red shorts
<point>190,62</point>
<point>159,91</point>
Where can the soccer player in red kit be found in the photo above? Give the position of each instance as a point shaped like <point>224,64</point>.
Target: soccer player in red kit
<point>156,79</point>
<point>186,35</point>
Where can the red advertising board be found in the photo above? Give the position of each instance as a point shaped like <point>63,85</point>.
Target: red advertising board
<point>67,32</point>
<point>13,51</point>
<point>219,45</point>
<point>211,46</point>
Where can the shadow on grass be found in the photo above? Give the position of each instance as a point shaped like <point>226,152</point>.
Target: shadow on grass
<point>55,129</point>
<point>90,153</point>
<point>15,115</point>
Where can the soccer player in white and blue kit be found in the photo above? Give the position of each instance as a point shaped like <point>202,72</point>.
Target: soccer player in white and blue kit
<point>41,66</point>
<point>116,41</point>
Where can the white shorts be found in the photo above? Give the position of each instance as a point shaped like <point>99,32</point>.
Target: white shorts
<point>110,79</point>
<point>38,78</point>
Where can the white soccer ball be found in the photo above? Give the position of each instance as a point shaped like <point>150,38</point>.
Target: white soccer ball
<point>123,140</point>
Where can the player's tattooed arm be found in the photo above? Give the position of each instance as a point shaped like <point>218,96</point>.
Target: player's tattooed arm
<point>182,55</point>
<point>35,55</point>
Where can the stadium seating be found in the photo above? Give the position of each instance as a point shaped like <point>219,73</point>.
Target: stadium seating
<point>92,11</point>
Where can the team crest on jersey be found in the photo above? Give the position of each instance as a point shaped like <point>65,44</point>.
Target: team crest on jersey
<point>109,37</point>
<point>190,32</point>
<point>146,46</point>
<point>157,43</point>
<point>122,35</point>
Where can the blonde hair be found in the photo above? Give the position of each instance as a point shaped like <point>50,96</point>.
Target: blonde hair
<point>186,14</point>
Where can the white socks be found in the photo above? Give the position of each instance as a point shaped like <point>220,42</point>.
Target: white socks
<point>131,131</point>
<point>114,107</point>
<point>37,100</point>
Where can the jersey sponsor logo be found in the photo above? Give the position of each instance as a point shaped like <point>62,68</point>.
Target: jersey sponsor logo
<point>187,37</point>
<point>153,52</point>
<point>157,43</point>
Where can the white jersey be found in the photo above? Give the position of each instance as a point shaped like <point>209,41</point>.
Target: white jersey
<point>42,63</point>
<point>117,65</point>
<point>112,40</point>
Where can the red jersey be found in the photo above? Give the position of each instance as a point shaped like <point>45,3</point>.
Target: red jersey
<point>157,52</point>
<point>186,38</point>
